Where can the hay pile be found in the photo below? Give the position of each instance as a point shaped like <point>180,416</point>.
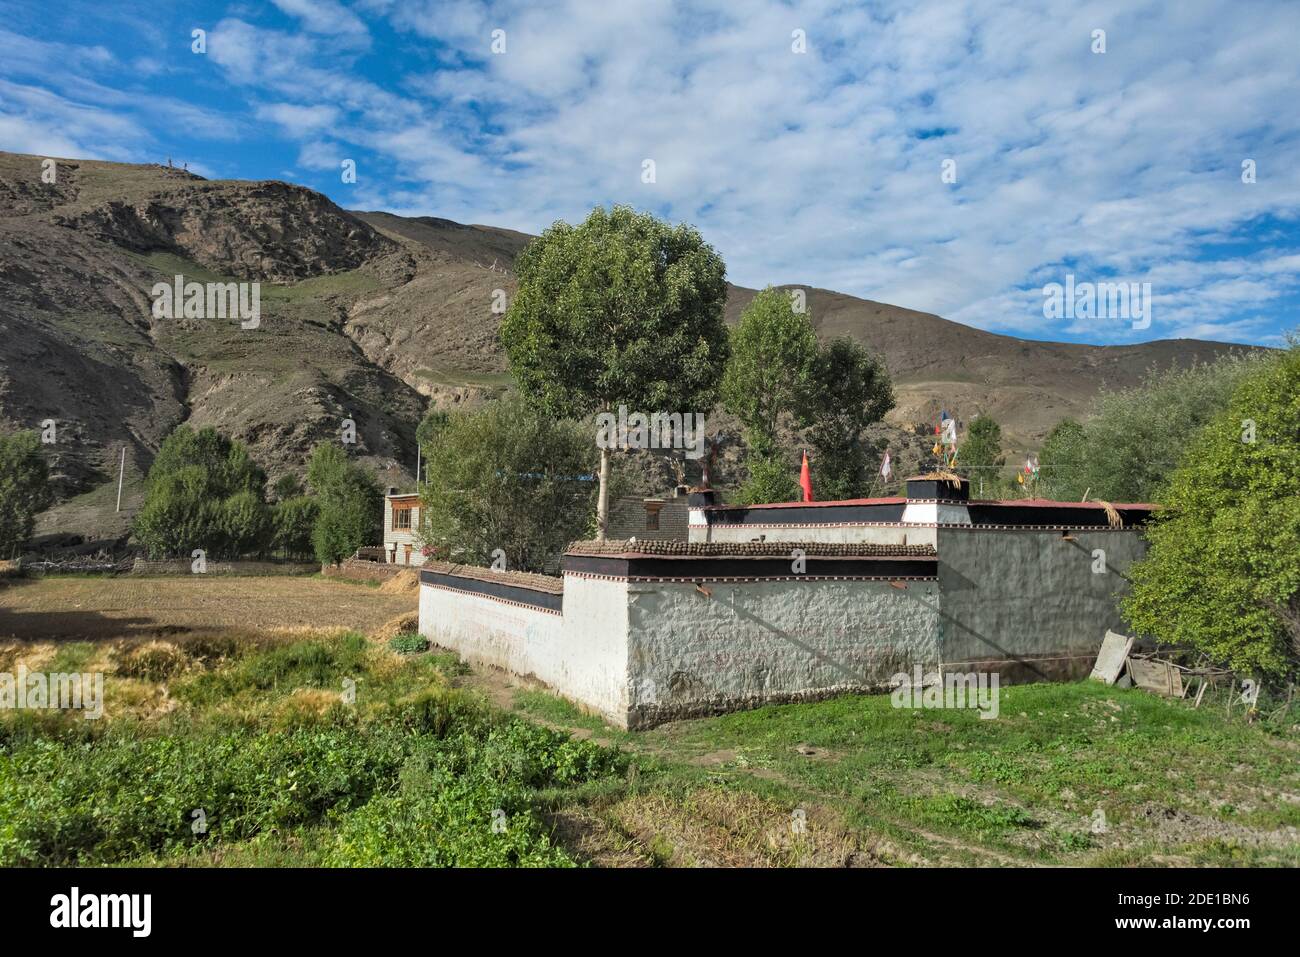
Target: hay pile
<point>403,583</point>
<point>402,624</point>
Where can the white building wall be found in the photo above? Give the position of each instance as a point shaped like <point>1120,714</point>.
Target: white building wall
<point>876,533</point>
<point>396,540</point>
<point>582,655</point>
<point>751,643</point>
<point>487,631</point>
<point>592,652</point>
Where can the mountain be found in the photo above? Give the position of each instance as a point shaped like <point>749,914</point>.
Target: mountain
<point>365,316</point>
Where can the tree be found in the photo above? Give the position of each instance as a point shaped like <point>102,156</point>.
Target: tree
<point>1063,461</point>
<point>202,491</point>
<point>620,310</point>
<point>505,477</point>
<point>848,390</point>
<point>24,488</point>
<point>982,449</point>
<point>1136,436</point>
<point>349,502</point>
<point>292,521</point>
<point>287,487</point>
<point>773,353</point>
<point>1223,571</point>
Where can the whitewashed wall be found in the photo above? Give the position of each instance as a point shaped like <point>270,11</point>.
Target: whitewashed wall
<point>581,655</point>
<point>875,534</point>
<point>751,643</point>
<point>487,631</point>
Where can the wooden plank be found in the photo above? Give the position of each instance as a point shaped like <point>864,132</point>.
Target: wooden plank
<point>1110,660</point>
<point>1156,676</point>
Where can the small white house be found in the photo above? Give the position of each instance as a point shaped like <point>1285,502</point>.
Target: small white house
<point>401,521</point>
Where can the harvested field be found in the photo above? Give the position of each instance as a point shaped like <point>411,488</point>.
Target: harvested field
<point>90,609</point>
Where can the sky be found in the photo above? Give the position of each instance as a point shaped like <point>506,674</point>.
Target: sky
<point>951,157</point>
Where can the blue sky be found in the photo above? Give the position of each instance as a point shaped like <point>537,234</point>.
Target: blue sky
<point>820,167</point>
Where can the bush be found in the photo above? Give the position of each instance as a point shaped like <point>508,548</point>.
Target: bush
<point>1136,437</point>
<point>293,521</point>
<point>509,479</point>
<point>409,643</point>
<point>351,506</point>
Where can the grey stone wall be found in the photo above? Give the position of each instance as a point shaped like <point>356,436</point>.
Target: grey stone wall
<point>1027,602</point>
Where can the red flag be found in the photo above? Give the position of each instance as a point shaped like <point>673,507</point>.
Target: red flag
<point>805,479</point>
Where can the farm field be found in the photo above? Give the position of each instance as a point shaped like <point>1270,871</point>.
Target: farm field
<point>59,608</point>
<point>228,739</point>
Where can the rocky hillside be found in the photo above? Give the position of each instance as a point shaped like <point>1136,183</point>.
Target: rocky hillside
<point>364,315</point>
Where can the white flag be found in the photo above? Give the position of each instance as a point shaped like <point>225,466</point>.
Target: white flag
<point>885,469</point>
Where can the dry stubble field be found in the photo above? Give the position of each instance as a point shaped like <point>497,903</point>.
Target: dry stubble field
<point>96,608</point>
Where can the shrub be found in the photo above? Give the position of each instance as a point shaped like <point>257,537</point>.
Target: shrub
<point>409,643</point>
<point>350,504</point>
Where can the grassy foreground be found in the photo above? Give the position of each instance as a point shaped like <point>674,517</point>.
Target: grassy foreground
<point>239,749</point>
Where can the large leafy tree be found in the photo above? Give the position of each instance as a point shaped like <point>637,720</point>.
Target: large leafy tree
<point>621,309</point>
<point>1223,572</point>
<point>203,491</point>
<point>24,488</point>
<point>505,477</point>
<point>848,390</point>
<point>350,505</point>
<point>770,374</point>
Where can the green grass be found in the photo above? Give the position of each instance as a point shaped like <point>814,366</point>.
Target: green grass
<point>335,750</point>
<point>1026,785</point>
<point>267,763</point>
<point>461,377</point>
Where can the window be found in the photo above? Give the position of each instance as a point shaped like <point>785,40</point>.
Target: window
<point>652,516</point>
<point>402,517</point>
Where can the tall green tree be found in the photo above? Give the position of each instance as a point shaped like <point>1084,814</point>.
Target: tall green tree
<point>24,489</point>
<point>203,491</point>
<point>848,390</point>
<point>982,449</point>
<point>1063,462</point>
<point>350,505</point>
<point>622,309</point>
<point>293,520</point>
<point>506,477</point>
<point>770,374</point>
<point>1223,571</point>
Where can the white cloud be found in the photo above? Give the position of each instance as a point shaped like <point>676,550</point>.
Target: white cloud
<point>811,167</point>
<point>324,16</point>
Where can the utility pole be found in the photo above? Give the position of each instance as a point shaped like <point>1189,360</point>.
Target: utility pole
<point>121,472</point>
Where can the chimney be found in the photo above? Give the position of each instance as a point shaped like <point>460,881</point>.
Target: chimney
<point>936,501</point>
